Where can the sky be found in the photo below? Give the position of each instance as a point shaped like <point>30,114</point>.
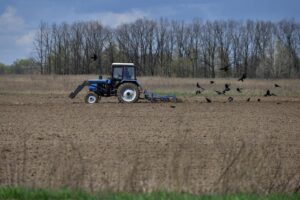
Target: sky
<point>20,19</point>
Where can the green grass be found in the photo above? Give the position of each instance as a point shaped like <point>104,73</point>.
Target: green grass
<point>16,193</point>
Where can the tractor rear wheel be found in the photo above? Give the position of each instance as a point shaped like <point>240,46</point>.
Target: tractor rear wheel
<point>128,93</point>
<point>91,98</point>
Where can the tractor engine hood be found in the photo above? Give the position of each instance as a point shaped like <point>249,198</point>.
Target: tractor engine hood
<point>101,81</point>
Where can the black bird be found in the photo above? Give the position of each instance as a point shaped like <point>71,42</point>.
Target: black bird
<point>225,69</point>
<point>239,90</point>
<point>208,100</point>
<point>173,106</point>
<point>230,99</point>
<point>199,86</point>
<point>268,94</point>
<point>276,85</point>
<point>94,57</point>
<point>212,82</point>
<point>248,99</point>
<point>227,87</point>
<point>244,76</point>
<point>258,100</point>
<point>219,93</point>
<point>198,92</point>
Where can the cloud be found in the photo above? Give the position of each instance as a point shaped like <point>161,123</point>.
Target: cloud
<point>15,36</point>
<point>10,22</point>
<point>114,19</point>
<point>26,39</point>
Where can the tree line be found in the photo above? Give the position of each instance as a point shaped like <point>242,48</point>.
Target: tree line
<point>20,66</point>
<point>163,47</point>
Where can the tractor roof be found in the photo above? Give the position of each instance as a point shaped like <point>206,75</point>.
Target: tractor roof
<point>129,64</point>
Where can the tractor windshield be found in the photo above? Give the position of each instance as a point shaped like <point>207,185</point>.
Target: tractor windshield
<point>117,74</point>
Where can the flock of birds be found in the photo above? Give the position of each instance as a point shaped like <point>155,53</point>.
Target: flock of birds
<point>227,88</point>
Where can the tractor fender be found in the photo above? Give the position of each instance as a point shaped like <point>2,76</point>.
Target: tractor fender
<point>130,81</point>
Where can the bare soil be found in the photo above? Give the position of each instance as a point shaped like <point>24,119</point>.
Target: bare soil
<point>48,140</point>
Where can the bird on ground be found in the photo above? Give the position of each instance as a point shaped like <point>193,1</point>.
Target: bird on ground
<point>230,99</point>
<point>212,82</point>
<point>268,94</point>
<point>248,99</point>
<point>225,69</point>
<point>198,92</point>
<point>276,85</point>
<point>173,106</point>
<point>199,86</point>
<point>258,100</point>
<point>94,57</point>
<point>227,87</point>
<point>239,90</point>
<point>208,100</point>
<point>244,76</point>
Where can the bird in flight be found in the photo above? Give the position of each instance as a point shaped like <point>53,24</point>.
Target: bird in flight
<point>199,86</point>
<point>94,57</point>
<point>276,85</point>
<point>219,93</point>
<point>244,76</point>
<point>225,69</point>
<point>208,100</point>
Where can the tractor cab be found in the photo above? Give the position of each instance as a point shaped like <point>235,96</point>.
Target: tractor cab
<point>123,71</point>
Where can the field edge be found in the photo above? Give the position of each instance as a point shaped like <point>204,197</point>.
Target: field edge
<point>24,193</point>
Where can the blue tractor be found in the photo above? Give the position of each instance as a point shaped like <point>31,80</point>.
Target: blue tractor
<point>123,84</point>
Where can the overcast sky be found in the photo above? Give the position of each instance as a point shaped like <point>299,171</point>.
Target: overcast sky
<point>19,19</point>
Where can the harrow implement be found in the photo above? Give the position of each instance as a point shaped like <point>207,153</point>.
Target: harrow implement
<point>159,98</point>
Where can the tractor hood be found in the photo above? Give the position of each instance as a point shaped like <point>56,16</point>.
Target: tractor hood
<point>101,81</point>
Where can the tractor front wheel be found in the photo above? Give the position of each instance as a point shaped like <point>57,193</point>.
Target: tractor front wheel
<point>128,93</point>
<point>91,98</point>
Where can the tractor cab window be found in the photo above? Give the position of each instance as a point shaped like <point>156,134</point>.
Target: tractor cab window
<point>129,73</point>
<point>118,72</point>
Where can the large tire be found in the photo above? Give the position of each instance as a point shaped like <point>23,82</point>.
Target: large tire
<point>128,93</point>
<point>91,98</point>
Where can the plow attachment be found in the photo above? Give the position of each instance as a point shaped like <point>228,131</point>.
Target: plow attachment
<point>72,95</point>
<point>156,97</point>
